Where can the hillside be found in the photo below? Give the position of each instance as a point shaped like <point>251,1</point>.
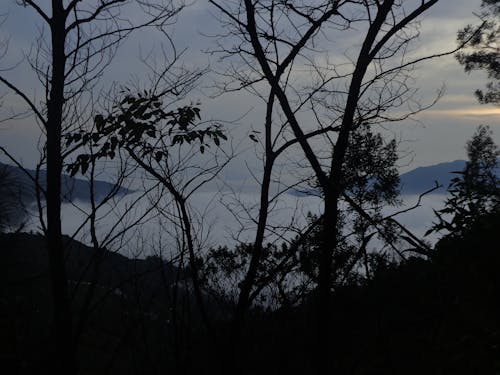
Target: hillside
<point>419,316</point>
<point>110,294</point>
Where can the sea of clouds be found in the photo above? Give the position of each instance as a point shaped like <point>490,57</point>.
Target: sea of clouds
<point>219,219</point>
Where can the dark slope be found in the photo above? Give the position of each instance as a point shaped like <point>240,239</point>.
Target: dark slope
<point>131,298</point>
<point>422,316</point>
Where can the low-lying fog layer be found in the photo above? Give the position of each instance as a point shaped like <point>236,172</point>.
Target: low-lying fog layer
<point>220,219</point>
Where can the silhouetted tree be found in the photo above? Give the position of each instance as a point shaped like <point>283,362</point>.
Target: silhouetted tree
<point>83,36</point>
<point>483,52</point>
<point>168,145</point>
<point>475,193</point>
<point>12,210</point>
<point>339,99</point>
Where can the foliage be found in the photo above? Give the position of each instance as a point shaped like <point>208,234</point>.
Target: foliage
<point>440,315</point>
<point>140,124</point>
<point>288,273</point>
<point>12,210</point>
<point>353,262</point>
<point>5,204</point>
<point>484,50</point>
<point>475,193</point>
<point>309,252</point>
<point>371,180</point>
<point>278,274</point>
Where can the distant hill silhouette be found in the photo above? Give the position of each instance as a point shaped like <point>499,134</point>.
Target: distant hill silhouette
<point>417,180</point>
<point>71,188</point>
<point>421,179</point>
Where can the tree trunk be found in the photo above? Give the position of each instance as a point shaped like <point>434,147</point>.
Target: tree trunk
<point>64,344</point>
<point>329,239</point>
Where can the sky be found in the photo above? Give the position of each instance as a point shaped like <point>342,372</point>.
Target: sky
<point>437,135</point>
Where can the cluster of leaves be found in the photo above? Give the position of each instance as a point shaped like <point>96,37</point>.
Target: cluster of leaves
<point>371,179</point>
<point>12,209</point>
<point>288,273</point>
<point>225,268</point>
<point>475,193</point>
<point>309,249</point>
<point>484,50</point>
<point>370,173</point>
<point>353,264</point>
<point>140,124</point>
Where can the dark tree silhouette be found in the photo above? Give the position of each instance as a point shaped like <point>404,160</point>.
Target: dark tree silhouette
<point>83,36</point>
<point>483,52</point>
<point>12,209</point>
<point>340,100</point>
<point>152,135</point>
<point>475,192</point>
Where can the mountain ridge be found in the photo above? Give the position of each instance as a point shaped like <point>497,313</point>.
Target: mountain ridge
<point>417,180</point>
<point>71,188</point>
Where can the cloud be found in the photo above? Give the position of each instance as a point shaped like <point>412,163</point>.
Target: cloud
<point>438,135</point>
<point>219,219</point>
<point>491,113</point>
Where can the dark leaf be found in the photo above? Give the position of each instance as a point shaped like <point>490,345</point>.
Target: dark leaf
<point>158,156</point>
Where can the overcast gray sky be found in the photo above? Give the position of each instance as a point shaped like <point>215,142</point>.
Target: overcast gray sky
<point>439,134</point>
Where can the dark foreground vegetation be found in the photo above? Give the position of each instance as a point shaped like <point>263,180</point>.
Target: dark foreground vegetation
<point>434,316</point>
